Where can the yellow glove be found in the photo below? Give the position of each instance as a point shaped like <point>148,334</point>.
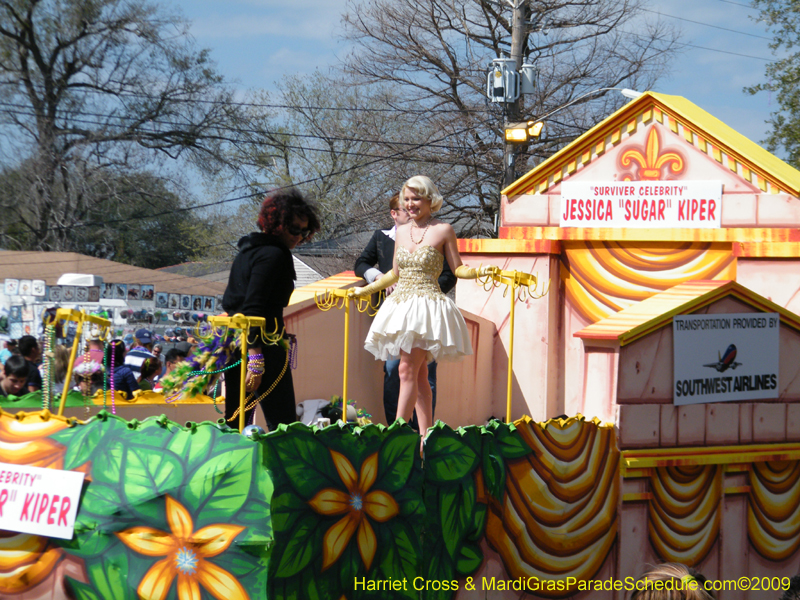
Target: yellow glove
<point>376,286</point>
<point>465,272</point>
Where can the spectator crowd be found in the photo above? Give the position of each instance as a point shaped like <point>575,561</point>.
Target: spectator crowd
<point>138,362</point>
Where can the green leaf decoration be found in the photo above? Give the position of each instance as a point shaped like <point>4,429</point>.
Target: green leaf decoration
<point>107,463</point>
<point>306,462</point>
<point>80,590</point>
<point>82,441</point>
<point>95,523</point>
<point>349,566</point>
<point>448,457</point>
<point>214,491</point>
<point>402,557</point>
<point>289,588</point>
<point>478,529</point>
<point>241,565</point>
<point>287,508</point>
<point>257,515</point>
<point>469,559</point>
<point>412,506</point>
<point>509,442</point>
<point>494,472</point>
<point>92,542</point>
<point>101,501</point>
<point>192,446</point>
<point>396,460</point>
<point>439,567</point>
<point>150,473</point>
<point>109,576</point>
<point>305,542</point>
<point>150,433</point>
<point>456,507</point>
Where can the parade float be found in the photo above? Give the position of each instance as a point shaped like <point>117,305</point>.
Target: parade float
<point>671,244</point>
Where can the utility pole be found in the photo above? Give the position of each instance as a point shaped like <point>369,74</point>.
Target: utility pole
<point>519,37</point>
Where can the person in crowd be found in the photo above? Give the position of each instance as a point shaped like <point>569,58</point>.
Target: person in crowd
<point>375,261</point>
<point>172,359</point>
<point>157,349</point>
<point>30,351</point>
<point>124,379</point>
<point>185,347</point>
<point>96,348</point>
<point>142,349</point>
<point>9,348</point>
<point>417,321</point>
<point>60,365</point>
<point>671,581</point>
<point>15,376</point>
<point>88,377</point>
<point>260,284</point>
<point>151,367</point>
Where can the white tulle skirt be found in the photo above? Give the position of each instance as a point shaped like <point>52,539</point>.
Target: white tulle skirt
<point>419,322</point>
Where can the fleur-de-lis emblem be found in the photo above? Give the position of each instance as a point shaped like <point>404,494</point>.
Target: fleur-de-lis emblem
<point>651,162</point>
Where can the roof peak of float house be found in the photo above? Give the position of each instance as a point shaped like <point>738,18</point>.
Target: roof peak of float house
<point>655,312</point>
<point>699,128</point>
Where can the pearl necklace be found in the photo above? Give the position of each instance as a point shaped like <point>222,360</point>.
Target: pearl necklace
<point>411,232</point>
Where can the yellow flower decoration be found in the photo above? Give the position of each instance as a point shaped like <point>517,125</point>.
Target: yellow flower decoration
<point>27,560</point>
<point>185,553</point>
<point>355,504</point>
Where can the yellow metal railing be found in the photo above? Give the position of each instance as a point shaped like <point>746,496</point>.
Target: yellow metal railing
<point>341,298</point>
<point>80,317</point>
<point>244,325</point>
<point>522,285</point>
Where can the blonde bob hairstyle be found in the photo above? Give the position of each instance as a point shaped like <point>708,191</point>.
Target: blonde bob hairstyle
<point>671,581</point>
<point>425,188</point>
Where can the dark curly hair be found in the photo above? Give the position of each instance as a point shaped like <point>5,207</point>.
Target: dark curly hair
<point>280,208</point>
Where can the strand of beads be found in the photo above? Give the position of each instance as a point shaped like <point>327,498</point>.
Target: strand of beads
<point>255,364</point>
<point>105,374</point>
<point>49,334</point>
<point>293,352</point>
<point>111,376</point>
<point>87,376</point>
<point>214,398</point>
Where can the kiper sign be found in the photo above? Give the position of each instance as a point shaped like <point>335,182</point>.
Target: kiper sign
<point>721,357</point>
<point>39,501</point>
<point>641,204</point>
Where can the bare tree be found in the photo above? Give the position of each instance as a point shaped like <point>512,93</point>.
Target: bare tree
<point>434,54</point>
<point>94,87</point>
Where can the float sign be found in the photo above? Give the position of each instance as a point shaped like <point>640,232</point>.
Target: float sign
<point>39,501</point>
<point>725,357</point>
<point>641,204</point>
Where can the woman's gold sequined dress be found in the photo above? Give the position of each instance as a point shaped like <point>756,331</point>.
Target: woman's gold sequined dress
<point>417,314</point>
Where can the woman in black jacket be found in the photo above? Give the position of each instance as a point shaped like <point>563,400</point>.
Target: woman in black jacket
<point>260,285</point>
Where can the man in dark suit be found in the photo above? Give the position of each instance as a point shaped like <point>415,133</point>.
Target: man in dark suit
<point>380,251</point>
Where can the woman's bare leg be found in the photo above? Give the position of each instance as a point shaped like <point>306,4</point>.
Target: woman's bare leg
<point>424,398</point>
<point>410,365</point>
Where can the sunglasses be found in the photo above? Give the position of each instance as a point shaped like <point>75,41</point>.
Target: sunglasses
<point>292,230</point>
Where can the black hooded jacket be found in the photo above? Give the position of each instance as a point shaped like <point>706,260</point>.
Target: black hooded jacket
<point>261,280</point>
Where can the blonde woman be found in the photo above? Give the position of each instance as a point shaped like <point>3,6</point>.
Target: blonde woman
<point>417,321</point>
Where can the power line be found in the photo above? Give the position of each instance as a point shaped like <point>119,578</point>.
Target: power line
<point>686,45</point>
<point>295,106</point>
<point>244,197</point>
<point>26,111</point>
<point>739,4</point>
<point>661,14</point>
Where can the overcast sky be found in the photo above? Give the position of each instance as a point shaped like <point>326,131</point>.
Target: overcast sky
<point>256,42</point>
